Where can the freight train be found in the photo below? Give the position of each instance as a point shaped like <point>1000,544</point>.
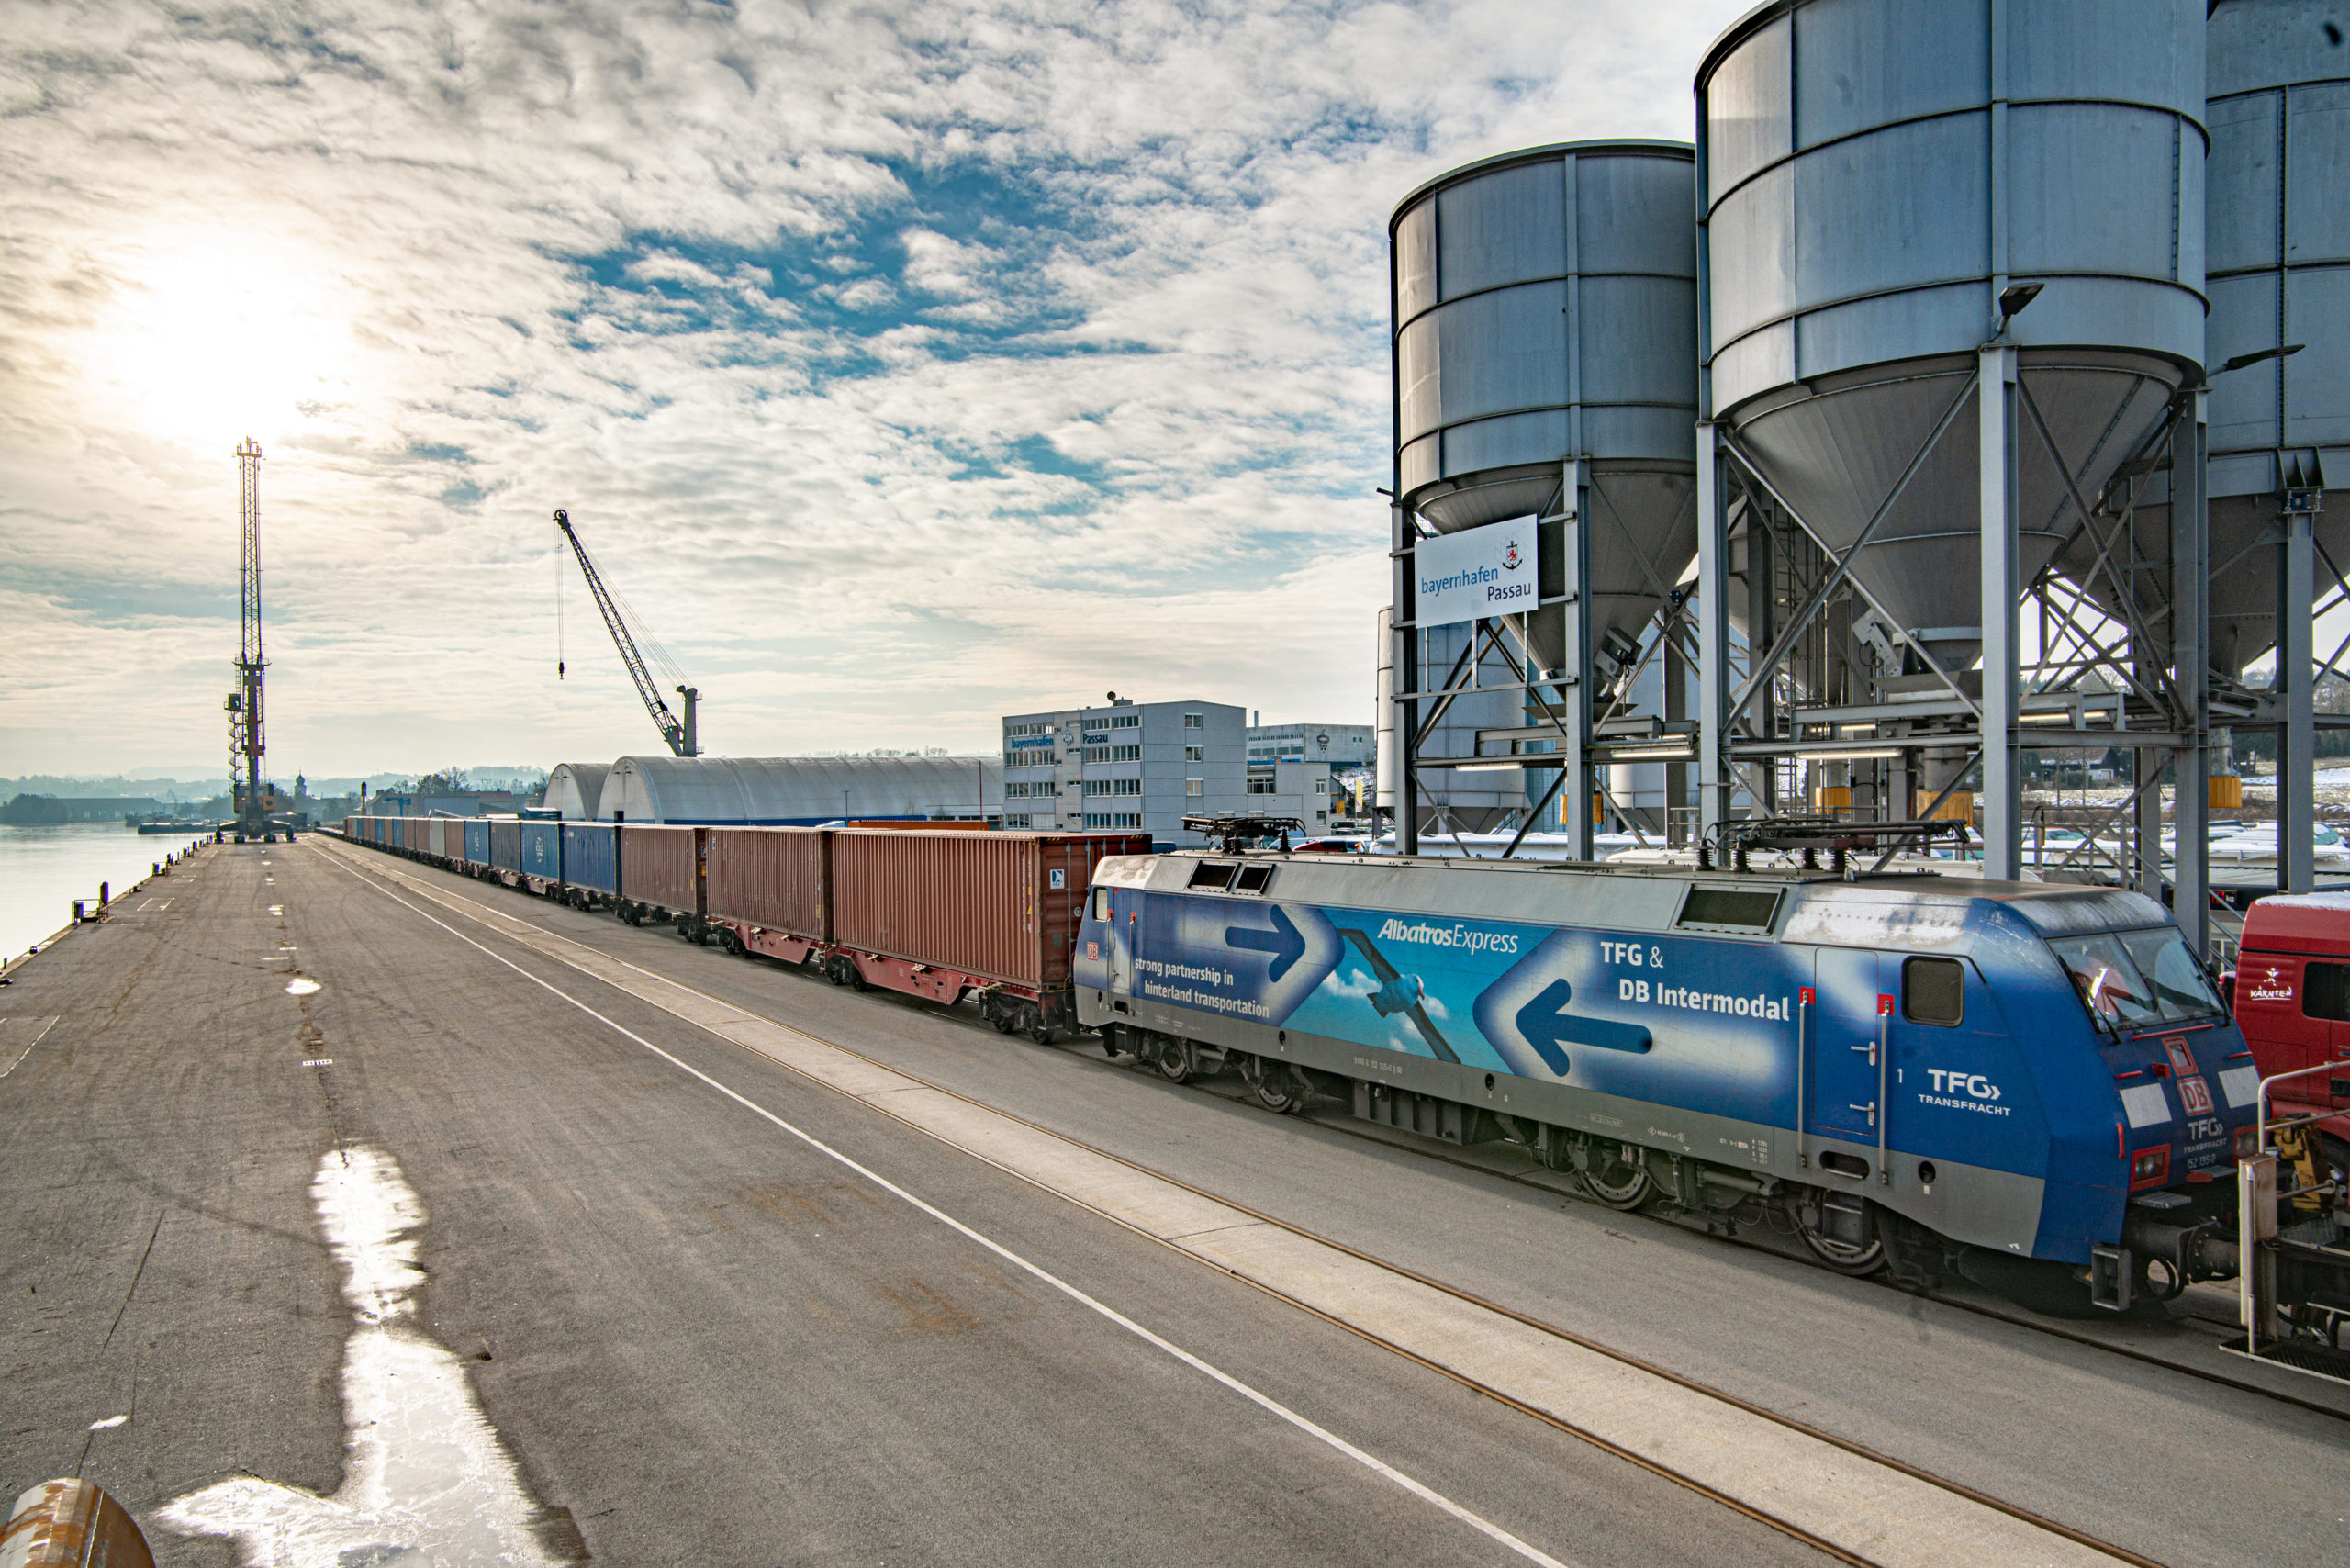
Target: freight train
<point>2034,1087</point>
<point>941,913</point>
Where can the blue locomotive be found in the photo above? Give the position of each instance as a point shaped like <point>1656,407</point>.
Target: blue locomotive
<point>2028,1085</point>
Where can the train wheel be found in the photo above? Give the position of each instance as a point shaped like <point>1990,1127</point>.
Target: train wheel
<point>1842,1230</point>
<point>1175,1061</point>
<point>1619,1177</point>
<point>1280,1088</point>
<point>1038,1030</point>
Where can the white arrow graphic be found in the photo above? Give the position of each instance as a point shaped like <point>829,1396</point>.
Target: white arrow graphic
<point>426,1478</point>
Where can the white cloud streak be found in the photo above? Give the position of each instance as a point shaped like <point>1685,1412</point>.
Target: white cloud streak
<point>906,365</point>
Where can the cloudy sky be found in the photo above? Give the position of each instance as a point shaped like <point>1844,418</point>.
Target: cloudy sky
<point>905,365</point>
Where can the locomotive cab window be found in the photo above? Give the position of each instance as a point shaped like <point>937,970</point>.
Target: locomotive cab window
<point>1253,879</point>
<point>1210,874</point>
<point>1729,909</point>
<point>1933,991</point>
<point>1101,904</point>
<point>2325,992</point>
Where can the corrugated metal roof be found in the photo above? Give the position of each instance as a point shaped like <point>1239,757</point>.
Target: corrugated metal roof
<point>574,788</point>
<point>799,790</point>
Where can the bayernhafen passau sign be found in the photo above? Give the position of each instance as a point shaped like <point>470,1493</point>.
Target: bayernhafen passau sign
<point>1478,571</point>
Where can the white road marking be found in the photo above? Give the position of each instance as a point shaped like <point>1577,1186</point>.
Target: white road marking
<point>300,985</point>
<point>41,1026</point>
<point>425,1473</point>
<point>109,1422</point>
<point>1263,1401</point>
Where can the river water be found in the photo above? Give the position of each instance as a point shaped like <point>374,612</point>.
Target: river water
<point>44,869</point>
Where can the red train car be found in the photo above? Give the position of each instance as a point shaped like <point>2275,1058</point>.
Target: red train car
<point>768,889</point>
<point>2291,994</point>
<point>661,875</point>
<point>941,913</point>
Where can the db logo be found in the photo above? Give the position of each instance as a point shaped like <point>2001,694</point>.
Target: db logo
<point>1093,949</point>
<point>1972,1084</point>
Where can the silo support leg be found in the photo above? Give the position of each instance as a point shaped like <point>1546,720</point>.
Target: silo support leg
<point>2002,610</point>
<point>2296,734</point>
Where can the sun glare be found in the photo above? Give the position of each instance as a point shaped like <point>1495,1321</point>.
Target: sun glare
<point>210,340</point>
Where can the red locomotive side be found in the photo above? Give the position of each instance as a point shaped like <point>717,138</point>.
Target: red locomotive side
<point>2292,999</point>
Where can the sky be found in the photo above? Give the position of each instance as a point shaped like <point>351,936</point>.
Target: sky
<point>903,366</point>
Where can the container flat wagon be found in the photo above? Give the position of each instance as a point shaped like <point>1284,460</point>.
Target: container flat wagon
<point>663,868</point>
<point>941,915</point>
<point>591,863</point>
<point>768,890</point>
<point>2034,1087</point>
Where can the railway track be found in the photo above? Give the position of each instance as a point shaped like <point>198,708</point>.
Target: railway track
<point>1430,1149</point>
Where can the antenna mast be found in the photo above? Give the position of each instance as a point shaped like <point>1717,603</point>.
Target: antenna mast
<point>246,743</point>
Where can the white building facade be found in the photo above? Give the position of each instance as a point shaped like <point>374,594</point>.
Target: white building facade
<point>1124,766</point>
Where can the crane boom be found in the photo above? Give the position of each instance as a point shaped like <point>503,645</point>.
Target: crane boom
<point>679,736</point>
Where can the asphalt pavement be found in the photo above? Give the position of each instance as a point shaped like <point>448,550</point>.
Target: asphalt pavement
<point>700,1336</point>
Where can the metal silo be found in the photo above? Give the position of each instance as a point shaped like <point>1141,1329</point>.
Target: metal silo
<point>1544,357</point>
<point>2278,86</point>
<point>1902,203</point>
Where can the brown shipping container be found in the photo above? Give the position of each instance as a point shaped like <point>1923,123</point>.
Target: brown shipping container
<point>983,903</point>
<point>775,877</point>
<point>662,865</point>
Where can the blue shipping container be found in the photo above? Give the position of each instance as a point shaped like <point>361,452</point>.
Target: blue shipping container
<point>590,855</point>
<point>477,840</point>
<point>543,850</point>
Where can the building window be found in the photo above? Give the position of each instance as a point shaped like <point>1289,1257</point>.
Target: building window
<point>1321,786</point>
<point>1015,819</point>
<point>1321,817</point>
<point>1261,786</point>
<point>1195,754</point>
<point>1113,786</point>
<point>1195,720</point>
<point>1194,787</point>
<point>1097,754</point>
<point>1125,721</point>
<point>1125,753</point>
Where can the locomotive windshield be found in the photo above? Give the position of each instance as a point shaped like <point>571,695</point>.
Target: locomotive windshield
<point>2129,977</point>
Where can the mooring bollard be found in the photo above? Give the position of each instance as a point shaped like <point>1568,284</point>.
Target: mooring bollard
<point>77,911</point>
<point>102,895</point>
<point>61,1522</point>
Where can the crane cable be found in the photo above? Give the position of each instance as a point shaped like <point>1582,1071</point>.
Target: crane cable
<point>558,602</point>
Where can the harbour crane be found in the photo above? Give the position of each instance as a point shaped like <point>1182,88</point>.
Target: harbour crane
<point>246,740</point>
<point>678,734</point>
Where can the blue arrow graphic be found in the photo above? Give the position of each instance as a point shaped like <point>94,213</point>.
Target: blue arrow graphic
<point>1283,942</point>
<point>1549,1026</point>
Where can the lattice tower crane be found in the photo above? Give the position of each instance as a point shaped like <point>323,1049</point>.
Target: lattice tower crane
<point>247,742</point>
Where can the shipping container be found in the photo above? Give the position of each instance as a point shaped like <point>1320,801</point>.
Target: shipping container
<point>772,878</point>
<point>477,840</point>
<point>1000,906</point>
<point>506,842</point>
<point>543,849</point>
<point>587,856</point>
<point>412,835</point>
<point>438,831</point>
<point>664,866</point>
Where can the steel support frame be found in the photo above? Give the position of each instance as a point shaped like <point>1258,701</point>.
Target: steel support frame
<point>2296,683</point>
<point>2002,611</point>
